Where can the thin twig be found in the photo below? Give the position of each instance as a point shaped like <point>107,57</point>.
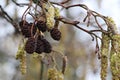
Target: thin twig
<point>20,4</point>
<point>74,23</point>
<point>78,5</point>
<point>41,70</point>
<point>5,15</point>
<point>66,1</point>
<point>27,9</point>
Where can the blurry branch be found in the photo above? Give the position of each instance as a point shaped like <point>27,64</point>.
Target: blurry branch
<point>92,24</point>
<point>5,15</point>
<point>66,1</point>
<point>74,23</point>
<point>20,4</point>
<point>65,60</point>
<point>41,70</point>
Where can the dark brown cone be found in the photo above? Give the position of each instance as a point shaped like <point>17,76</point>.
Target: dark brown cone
<point>22,23</point>
<point>40,45</point>
<point>30,45</point>
<point>55,34</point>
<point>41,25</point>
<point>26,30</point>
<point>47,46</point>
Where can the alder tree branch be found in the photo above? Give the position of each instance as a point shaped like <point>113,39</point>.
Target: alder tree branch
<point>20,4</point>
<point>7,17</point>
<point>90,13</point>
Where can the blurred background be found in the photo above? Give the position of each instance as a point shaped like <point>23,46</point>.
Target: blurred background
<point>83,63</point>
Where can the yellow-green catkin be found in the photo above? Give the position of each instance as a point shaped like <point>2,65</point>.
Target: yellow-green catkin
<point>115,57</point>
<point>22,57</point>
<point>111,25</point>
<point>104,55</point>
<point>50,14</point>
<point>57,12</point>
<point>54,74</point>
<point>115,49</point>
<point>23,64</point>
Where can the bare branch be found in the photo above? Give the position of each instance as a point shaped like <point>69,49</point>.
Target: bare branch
<point>5,15</point>
<point>66,1</point>
<point>20,4</point>
<point>74,23</point>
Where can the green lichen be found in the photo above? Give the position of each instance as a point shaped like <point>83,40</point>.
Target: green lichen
<point>104,55</point>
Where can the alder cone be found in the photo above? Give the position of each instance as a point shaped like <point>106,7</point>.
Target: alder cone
<point>22,23</point>
<point>30,45</point>
<point>55,34</point>
<point>47,46</point>
<point>41,25</point>
<point>26,29</point>
<point>39,45</point>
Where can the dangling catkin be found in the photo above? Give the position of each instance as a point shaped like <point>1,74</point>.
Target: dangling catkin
<point>104,55</point>
<point>115,57</point>
<point>22,57</point>
<point>50,14</point>
<point>54,74</point>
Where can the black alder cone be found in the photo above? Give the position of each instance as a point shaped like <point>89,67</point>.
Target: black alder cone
<point>55,34</point>
<point>39,45</point>
<point>47,46</point>
<point>41,25</point>
<point>27,29</point>
<point>30,45</point>
<point>22,23</point>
